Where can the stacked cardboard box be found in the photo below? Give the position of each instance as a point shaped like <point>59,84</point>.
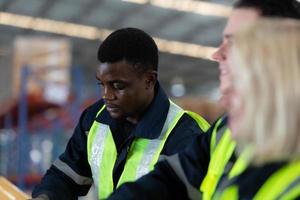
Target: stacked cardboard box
<point>9,191</point>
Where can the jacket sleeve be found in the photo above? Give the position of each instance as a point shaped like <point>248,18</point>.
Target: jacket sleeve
<point>70,175</point>
<point>176,177</point>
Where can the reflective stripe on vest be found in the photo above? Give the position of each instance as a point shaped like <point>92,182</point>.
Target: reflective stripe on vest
<point>215,133</point>
<point>222,148</point>
<point>137,166</point>
<point>292,193</point>
<point>278,184</point>
<point>98,150</point>
<point>144,153</point>
<point>284,184</point>
<point>241,163</point>
<point>202,123</point>
<point>231,193</point>
<point>142,156</point>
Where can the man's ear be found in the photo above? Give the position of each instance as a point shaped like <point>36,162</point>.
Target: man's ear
<point>150,79</point>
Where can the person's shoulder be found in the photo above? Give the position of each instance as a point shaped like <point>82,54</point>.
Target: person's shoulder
<point>223,120</point>
<point>184,132</point>
<point>90,113</point>
<point>219,123</point>
<point>186,122</point>
<point>95,107</point>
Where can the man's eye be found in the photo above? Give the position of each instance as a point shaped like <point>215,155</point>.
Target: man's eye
<point>119,86</point>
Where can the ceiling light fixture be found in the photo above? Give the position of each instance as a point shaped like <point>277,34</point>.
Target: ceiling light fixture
<point>93,33</point>
<point>185,49</point>
<point>198,7</point>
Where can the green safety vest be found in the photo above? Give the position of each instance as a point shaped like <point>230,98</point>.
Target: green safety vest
<point>221,149</point>
<point>142,155</point>
<point>284,184</point>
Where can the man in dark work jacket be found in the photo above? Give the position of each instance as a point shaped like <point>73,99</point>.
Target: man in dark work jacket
<point>134,111</point>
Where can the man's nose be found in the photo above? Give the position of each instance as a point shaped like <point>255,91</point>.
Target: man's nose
<point>108,94</point>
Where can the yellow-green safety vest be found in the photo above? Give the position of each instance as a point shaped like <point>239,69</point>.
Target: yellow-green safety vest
<point>284,184</point>
<point>142,155</point>
<point>221,149</point>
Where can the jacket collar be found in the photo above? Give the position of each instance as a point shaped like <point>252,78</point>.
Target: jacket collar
<point>151,123</point>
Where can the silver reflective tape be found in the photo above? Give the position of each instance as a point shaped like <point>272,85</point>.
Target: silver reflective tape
<point>97,151</point>
<point>66,169</point>
<point>153,145</point>
<point>220,134</point>
<point>147,158</point>
<point>291,186</point>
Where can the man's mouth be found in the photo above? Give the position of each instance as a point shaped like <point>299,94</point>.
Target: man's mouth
<point>111,107</point>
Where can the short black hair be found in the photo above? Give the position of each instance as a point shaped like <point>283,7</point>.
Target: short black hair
<point>132,45</point>
<point>272,8</point>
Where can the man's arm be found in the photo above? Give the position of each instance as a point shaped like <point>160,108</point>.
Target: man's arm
<point>70,175</point>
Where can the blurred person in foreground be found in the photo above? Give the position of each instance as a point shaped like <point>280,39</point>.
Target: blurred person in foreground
<point>264,111</point>
<point>195,172</point>
<point>121,136</point>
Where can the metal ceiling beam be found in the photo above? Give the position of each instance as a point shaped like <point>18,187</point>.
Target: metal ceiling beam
<point>6,4</point>
<point>123,16</point>
<point>164,22</point>
<point>45,8</point>
<point>194,31</point>
<point>87,9</point>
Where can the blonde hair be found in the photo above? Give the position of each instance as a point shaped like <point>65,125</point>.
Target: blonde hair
<point>266,71</point>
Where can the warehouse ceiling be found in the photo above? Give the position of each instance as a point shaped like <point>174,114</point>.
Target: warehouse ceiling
<point>172,22</point>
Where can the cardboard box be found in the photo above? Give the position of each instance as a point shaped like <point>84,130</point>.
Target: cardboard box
<point>9,191</point>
